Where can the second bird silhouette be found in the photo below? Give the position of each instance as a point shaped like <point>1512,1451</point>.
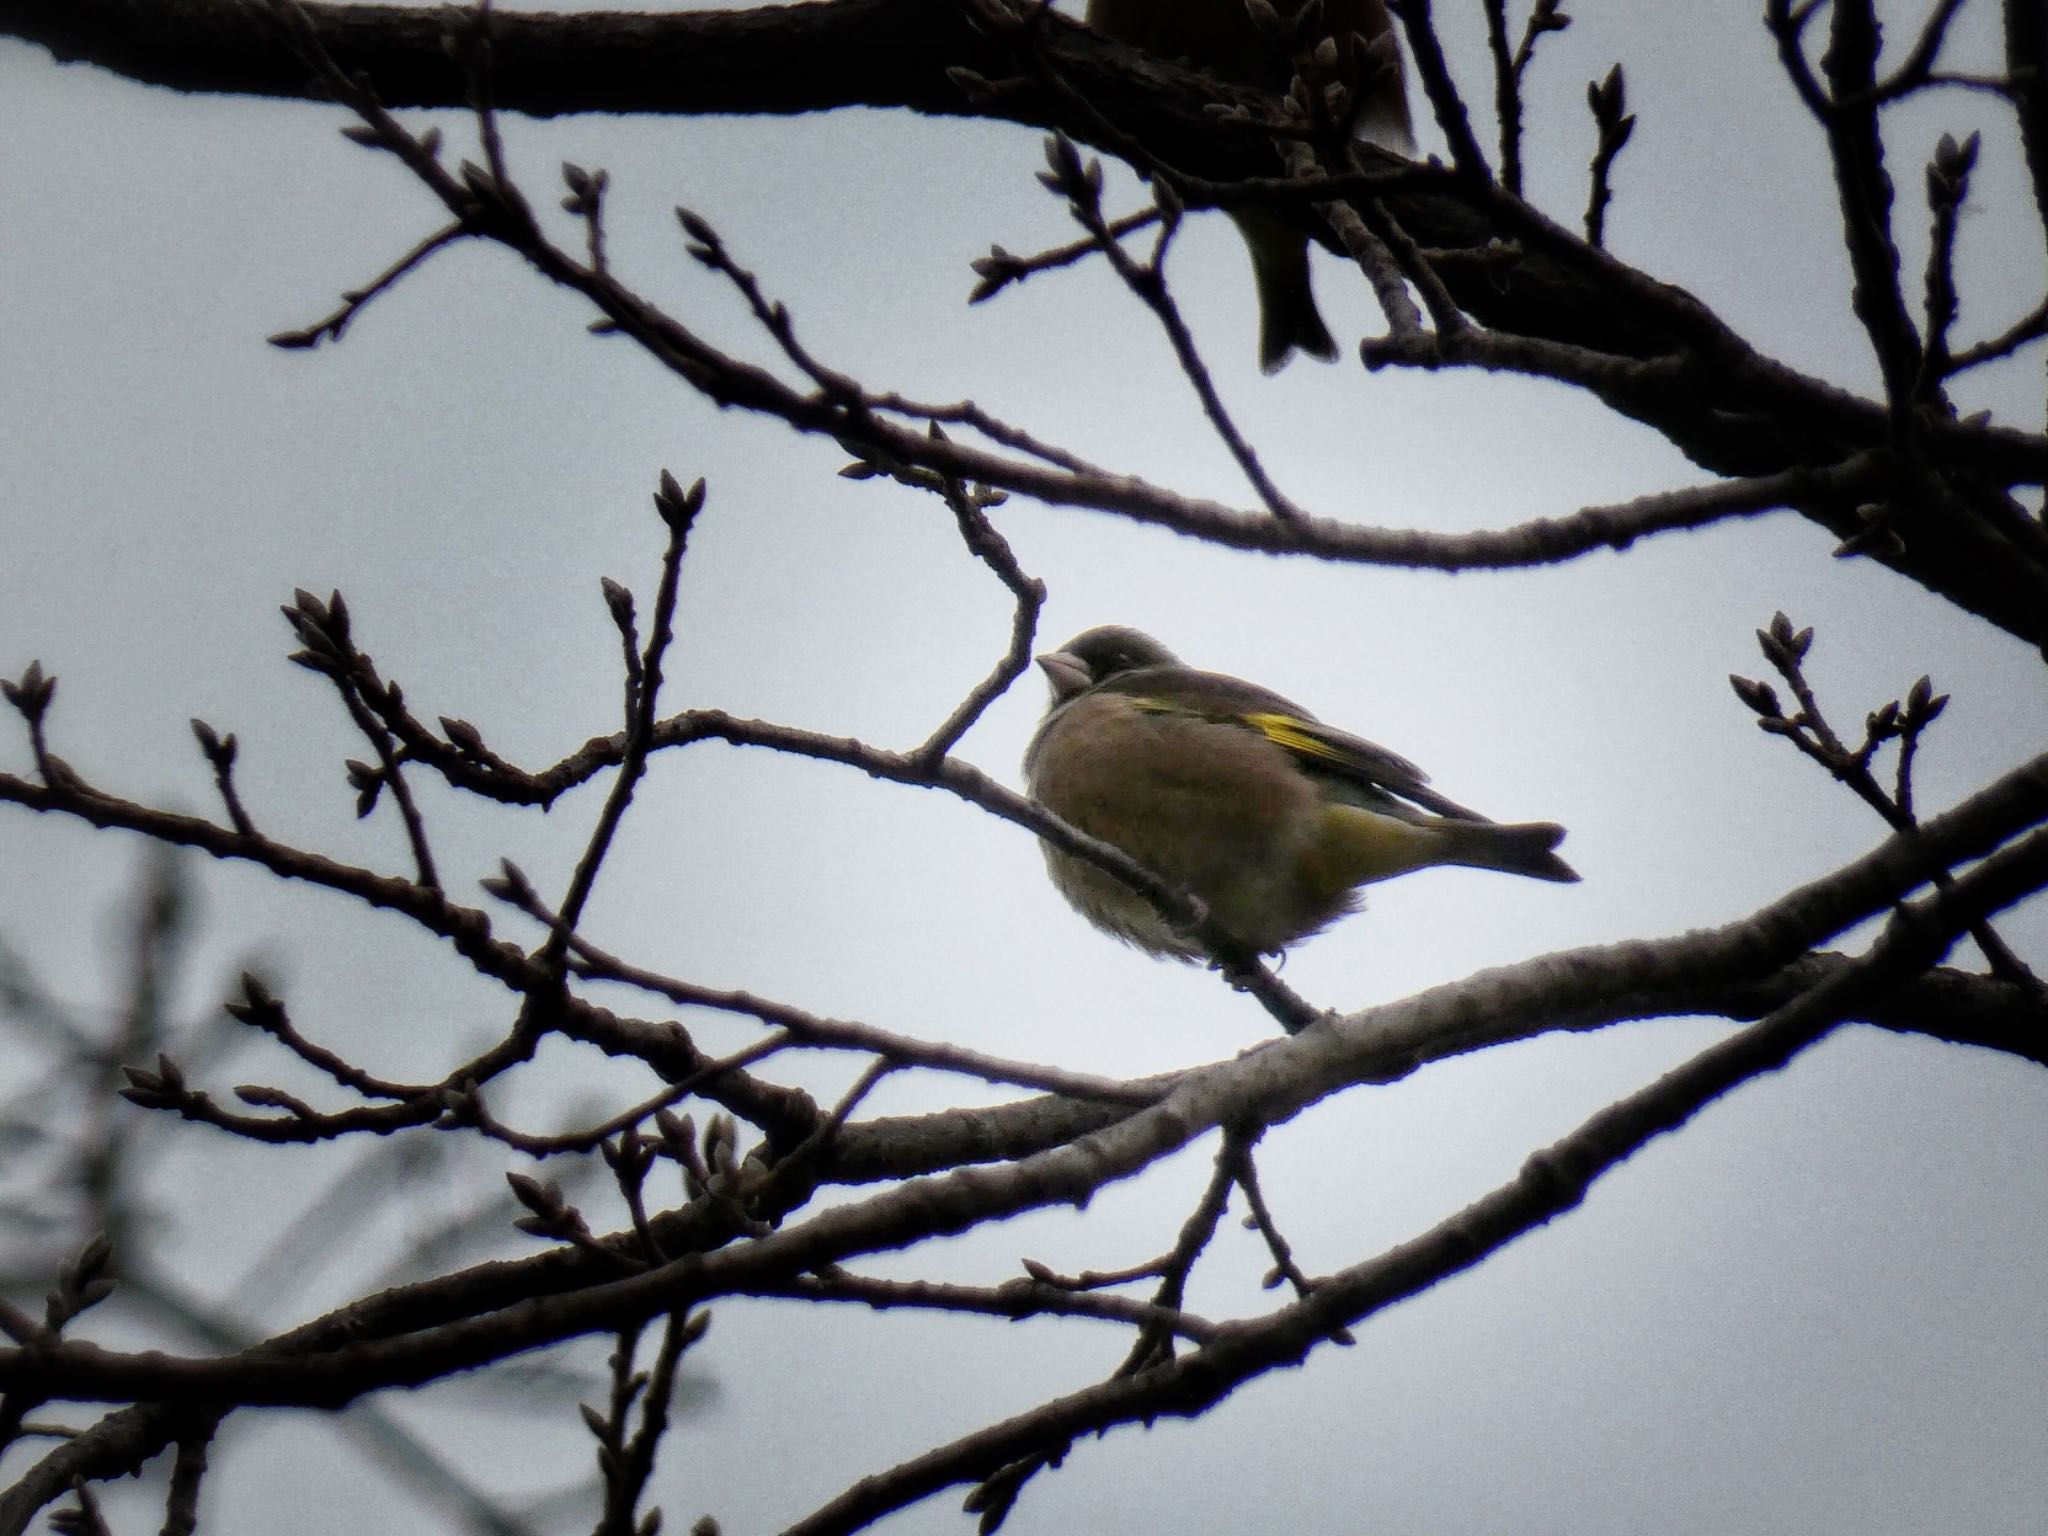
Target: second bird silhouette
<point>1218,36</point>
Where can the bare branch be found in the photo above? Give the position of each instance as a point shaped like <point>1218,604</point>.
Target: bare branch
<point>1081,185</point>
<point>1917,67</point>
<point>1615,124</point>
<point>1508,71</point>
<point>1437,85</point>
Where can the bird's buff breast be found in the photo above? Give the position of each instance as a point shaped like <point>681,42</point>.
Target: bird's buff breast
<point>1214,808</point>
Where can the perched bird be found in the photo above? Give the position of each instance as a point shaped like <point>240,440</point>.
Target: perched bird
<point>1218,36</point>
<point>1271,818</point>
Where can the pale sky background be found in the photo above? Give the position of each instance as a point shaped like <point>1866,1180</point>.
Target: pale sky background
<point>1817,1309</point>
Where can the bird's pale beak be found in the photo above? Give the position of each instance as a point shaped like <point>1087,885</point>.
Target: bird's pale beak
<point>1067,673</point>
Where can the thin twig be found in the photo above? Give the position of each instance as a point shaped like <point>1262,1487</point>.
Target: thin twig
<point>969,507</point>
<point>1810,731</point>
<point>1466,157</point>
<point>999,268</point>
<point>1081,185</point>
<point>1615,125</point>
<point>2029,327</point>
<point>1917,68</point>
<point>188,1470</point>
<point>1948,188</point>
<point>355,300</point>
<point>1018,1298</point>
<point>679,509</point>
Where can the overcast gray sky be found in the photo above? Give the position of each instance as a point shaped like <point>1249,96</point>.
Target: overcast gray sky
<point>1819,1308</point>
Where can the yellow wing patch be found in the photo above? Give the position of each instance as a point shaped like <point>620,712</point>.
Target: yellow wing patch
<point>1290,732</point>
<point>1296,736</point>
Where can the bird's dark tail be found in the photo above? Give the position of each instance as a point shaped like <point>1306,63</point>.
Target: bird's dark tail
<point>1289,321</point>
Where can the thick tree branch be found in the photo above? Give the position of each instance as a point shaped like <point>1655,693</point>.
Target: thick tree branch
<point>1735,412</point>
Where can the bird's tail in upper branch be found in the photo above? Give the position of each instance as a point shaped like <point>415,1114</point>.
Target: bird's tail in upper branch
<point>1288,318</point>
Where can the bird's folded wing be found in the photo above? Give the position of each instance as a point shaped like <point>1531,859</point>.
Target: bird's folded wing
<point>1375,778</point>
<point>1355,763</point>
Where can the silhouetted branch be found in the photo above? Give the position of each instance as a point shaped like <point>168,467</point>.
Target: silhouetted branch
<point>1508,70</point>
<point>1615,125</point>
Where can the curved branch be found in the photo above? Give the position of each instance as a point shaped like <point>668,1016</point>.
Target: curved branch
<point>330,1363</point>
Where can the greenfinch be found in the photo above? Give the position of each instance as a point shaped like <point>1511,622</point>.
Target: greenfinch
<point>1272,819</point>
<point>1219,36</point>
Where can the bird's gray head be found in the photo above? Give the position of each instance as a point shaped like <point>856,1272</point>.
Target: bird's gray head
<point>1098,654</point>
